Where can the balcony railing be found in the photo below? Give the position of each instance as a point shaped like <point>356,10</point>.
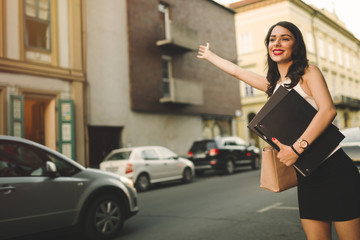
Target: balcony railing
<point>180,38</point>
<point>346,102</point>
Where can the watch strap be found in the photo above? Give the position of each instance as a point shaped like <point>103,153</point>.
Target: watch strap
<point>292,147</point>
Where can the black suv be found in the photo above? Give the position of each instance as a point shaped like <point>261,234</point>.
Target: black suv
<point>223,153</point>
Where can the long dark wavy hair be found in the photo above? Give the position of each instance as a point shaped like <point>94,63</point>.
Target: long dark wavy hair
<point>298,56</point>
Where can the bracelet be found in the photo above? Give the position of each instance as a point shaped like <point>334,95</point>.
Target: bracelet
<point>295,150</point>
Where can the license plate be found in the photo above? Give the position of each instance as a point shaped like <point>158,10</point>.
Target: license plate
<point>112,169</point>
<point>200,155</point>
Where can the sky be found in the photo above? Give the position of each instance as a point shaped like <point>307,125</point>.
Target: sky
<point>346,10</point>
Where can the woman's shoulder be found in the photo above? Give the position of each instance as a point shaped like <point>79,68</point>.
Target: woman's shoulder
<point>312,69</point>
<point>312,72</point>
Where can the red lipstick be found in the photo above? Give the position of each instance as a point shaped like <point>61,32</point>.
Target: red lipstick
<point>278,52</point>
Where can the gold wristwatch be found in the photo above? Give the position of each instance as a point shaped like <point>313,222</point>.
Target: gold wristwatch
<point>303,143</point>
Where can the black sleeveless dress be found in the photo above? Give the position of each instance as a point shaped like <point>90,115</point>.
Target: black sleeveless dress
<point>331,192</point>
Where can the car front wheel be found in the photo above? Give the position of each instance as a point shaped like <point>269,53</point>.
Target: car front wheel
<point>229,167</point>
<point>187,175</point>
<point>104,219</point>
<point>142,183</point>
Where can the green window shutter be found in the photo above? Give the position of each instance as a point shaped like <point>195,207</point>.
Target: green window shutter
<point>67,128</point>
<point>16,116</point>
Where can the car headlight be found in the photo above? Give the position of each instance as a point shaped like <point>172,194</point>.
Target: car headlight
<point>127,181</point>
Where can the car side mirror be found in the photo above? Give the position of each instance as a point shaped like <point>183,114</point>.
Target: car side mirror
<point>51,169</point>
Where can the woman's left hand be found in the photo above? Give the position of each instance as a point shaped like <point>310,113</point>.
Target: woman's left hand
<point>286,155</point>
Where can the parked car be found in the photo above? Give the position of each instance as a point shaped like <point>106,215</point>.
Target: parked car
<point>148,165</point>
<point>223,153</point>
<point>43,190</point>
<point>351,144</point>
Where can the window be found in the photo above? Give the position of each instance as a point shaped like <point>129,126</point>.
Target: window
<point>245,43</point>
<point>166,74</point>
<point>149,154</point>
<point>230,143</point>
<point>166,154</point>
<point>339,55</point>
<point>249,90</point>
<point>354,63</point>
<point>37,24</point>
<point>333,81</point>
<point>310,41</point>
<point>350,91</point>
<point>63,168</point>
<point>331,53</point>
<point>347,60</point>
<point>20,160</point>
<point>321,48</point>
<point>119,156</point>
<point>164,30</point>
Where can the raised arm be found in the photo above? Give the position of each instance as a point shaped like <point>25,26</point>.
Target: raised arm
<point>255,80</point>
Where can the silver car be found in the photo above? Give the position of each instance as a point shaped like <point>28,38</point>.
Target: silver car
<point>147,165</point>
<point>42,190</point>
<point>351,144</point>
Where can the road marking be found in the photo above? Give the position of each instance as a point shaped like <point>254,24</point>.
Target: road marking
<point>288,208</point>
<point>269,207</point>
<point>276,206</point>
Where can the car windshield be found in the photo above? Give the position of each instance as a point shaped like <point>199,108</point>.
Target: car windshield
<point>351,135</point>
<point>119,156</point>
<point>202,146</point>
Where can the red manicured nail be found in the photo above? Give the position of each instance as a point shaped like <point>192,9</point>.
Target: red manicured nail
<point>273,139</point>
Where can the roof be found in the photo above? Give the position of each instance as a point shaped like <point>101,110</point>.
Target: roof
<point>224,7</point>
<point>243,3</point>
<point>319,13</point>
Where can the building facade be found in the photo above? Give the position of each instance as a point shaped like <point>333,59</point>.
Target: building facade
<point>42,74</point>
<point>330,46</point>
<point>145,84</point>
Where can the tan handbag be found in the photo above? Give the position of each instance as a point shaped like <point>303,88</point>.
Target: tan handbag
<point>275,176</point>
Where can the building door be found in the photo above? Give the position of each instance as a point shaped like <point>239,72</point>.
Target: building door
<point>39,119</point>
<point>215,127</point>
<point>101,141</point>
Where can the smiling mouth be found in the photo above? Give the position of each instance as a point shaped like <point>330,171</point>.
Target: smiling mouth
<point>278,52</point>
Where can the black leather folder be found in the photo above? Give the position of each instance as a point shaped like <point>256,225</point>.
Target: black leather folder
<point>271,103</point>
<point>286,116</point>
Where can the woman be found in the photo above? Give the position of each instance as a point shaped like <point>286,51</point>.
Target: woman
<point>331,194</point>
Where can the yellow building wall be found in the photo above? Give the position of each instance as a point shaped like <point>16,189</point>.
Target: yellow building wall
<point>318,28</point>
<point>58,71</point>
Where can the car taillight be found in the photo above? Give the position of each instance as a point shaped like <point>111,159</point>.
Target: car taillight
<point>248,154</point>
<point>190,154</point>
<point>213,152</point>
<point>129,168</point>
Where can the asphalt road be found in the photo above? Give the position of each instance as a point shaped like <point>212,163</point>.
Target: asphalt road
<point>215,207</point>
<point>212,207</point>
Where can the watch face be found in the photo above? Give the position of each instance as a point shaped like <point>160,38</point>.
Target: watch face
<point>304,144</point>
